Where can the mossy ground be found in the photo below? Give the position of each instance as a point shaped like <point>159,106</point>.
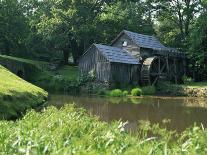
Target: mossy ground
<point>17,95</point>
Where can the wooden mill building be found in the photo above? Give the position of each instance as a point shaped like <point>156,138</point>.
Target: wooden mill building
<point>133,58</point>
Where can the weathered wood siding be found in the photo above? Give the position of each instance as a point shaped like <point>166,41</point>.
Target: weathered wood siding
<point>124,73</point>
<point>102,68</point>
<point>87,61</point>
<point>94,61</point>
<point>131,47</point>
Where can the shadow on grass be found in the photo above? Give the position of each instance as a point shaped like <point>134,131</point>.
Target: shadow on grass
<point>14,106</point>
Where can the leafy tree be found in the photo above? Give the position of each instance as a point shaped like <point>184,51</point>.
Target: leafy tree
<point>175,18</point>
<point>123,15</point>
<point>67,25</point>
<point>198,45</point>
<point>13,28</point>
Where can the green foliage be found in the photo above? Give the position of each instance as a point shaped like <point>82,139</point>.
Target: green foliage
<point>64,79</point>
<point>73,131</point>
<point>149,90</point>
<point>187,79</point>
<point>125,93</point>
<point>136,92</point>
<point>116,93</point>
<point>193,89</point>
<point>17,95</point>
<point>198,47</point>
<point>13,28</point>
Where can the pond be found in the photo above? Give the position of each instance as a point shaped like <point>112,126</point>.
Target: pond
<point>181,112</point>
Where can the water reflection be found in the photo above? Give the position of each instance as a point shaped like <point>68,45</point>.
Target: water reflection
<point>182,112</point>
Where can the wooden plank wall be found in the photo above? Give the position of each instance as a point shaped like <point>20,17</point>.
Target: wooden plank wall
<point>87,62</point>
<point>94,60</point>
<point>106,71</point>
<point>124,73</point>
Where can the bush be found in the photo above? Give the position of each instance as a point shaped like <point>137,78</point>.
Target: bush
<point>116,93</point>
<point>136,92</point>
<point>101,92</point>
<point>149,90</point>
<point>125,93</point>
<point>187,80</point>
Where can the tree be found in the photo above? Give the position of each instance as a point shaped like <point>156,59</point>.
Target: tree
<point>118,16</point>
<point>13,28</point>
<point>175,18</point>
<point>67,25</point>
<point>198,45</point>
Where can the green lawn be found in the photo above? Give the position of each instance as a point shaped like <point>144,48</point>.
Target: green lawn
<point>62,79</point>
<point>68,72</point>
<point>17,95</point>
<point>57,80</point>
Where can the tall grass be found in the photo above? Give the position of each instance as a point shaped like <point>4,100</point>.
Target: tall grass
<point>73,131</point>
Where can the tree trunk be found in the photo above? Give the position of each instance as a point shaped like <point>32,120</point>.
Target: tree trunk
<point>65,56</point>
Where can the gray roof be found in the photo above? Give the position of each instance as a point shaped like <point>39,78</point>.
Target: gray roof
<point>114,54</point>
<point>145,41</point>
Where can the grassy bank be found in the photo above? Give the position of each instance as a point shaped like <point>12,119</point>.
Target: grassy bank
<point>38,64</point>
<point>73,131</point>
<point>17,95</point>
<point>62,78</point>
<point>193,89</point>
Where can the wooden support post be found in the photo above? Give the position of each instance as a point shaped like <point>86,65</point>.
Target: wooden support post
<point>159,65</point>
<point>167,62</point>
<point>175,71</point>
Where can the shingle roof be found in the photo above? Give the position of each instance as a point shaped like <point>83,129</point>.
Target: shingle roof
<point>145,41</point>
<point>114,54</point>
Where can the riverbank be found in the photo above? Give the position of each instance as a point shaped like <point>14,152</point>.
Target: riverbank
<point>17,95</point>
<point>194,89</point>
<point>66,78</point>
<point>72,131</point>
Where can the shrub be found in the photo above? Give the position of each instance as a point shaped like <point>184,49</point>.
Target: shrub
<point>149,90</point>
<point>136,92</point>
<point>101,92</point>
<point>116,93</point>
<point>187,80</point>
<point>125,93</point>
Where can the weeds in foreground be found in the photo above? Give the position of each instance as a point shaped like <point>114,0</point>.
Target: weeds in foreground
<point>73,131</point>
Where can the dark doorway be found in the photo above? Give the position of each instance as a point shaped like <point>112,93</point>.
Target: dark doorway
<point>20,73</point>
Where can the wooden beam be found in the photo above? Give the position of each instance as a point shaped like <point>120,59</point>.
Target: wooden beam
<point>175,71</point>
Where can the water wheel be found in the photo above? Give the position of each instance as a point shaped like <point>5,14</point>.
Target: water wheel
<point>153,69</point>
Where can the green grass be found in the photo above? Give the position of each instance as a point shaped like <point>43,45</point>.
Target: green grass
<point>68,72</point>
<point>196,85</point>
<point>17,95</point>
<point>73,131</point>
<point>64,78</point>
<point>193,89</point>
<point>38,64</point>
